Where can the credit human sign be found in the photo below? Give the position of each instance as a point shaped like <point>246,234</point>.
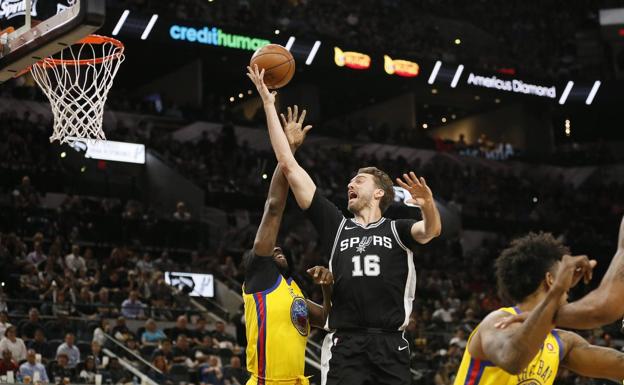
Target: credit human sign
<point>514,85</point>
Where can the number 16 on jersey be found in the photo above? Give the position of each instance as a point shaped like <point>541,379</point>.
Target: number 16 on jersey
<point>371,265</point>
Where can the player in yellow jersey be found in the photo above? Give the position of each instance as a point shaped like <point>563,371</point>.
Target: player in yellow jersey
<point>601,306</point>
<point>536,273</point>
<point>277,315</point>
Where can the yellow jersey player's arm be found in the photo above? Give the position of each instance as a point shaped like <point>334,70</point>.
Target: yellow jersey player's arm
<point>278,190</point>
<point>301,183</point>
<point>590,360</point>
<point>603,305</point>
<point>272,216</point>
<point>513,348</point>
<point>318,314</point>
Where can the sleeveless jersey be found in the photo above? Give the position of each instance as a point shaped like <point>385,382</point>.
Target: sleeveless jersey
<point>373,268</point>
<point>541,371</point>
<point>277,330</point>
<point>374,277</point>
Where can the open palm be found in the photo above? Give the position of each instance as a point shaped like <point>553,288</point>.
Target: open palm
<point>417,187</point>
<point>293,127</point>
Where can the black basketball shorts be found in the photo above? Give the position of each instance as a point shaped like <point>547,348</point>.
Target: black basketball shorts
<point>361,358</point>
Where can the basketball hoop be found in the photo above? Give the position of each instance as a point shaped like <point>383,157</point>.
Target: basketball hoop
<point>77,84</point>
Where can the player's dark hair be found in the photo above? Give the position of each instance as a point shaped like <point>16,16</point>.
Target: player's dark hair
<point>383,181</point>
<point>521,267</point>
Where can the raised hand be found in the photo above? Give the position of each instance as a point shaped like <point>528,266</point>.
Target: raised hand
<point>418,189</point>
<point>257,77</point>
<point>572,269</point>
<point>293,127</point>
<point>321,275</point>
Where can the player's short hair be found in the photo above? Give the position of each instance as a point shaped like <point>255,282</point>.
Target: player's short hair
<point>383,181</point>
<point>521,267</point>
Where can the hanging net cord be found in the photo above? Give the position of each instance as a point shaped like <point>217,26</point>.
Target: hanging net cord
<point>77,86</point>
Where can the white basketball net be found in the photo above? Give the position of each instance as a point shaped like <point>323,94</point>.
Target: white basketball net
<point>77,84</point>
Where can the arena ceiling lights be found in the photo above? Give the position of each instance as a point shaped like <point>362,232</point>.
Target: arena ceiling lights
<point>453,74</point>
<point>136,24</point>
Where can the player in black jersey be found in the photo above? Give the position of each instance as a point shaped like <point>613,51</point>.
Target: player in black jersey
<point>370,258</point>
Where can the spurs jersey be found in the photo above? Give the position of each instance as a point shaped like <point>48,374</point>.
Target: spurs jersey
<point>373,268</point>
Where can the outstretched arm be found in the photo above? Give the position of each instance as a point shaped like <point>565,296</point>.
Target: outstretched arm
<point>603,305</point>
<point>590,360</point>
<point>302,185</point>
<point>430,226</point>
<point>513,348</point>
<point>278,190</point>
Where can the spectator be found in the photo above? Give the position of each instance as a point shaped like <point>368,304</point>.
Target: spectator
<point>235,372</point>
<point>145,265</point>
<point>470,321</point>
<point>459,338</point>
<point>91,262</point>
<point>36,256</point>
<point>181,327</point>
<point>228,268</point>
<point>211,372</point>
<point>25,195</point>
<point>133,346</point>
<point>164,262</point>
<point>27,328</point>
<point>181,213</point>
<point>220,335</point>
<point>121,331</point>
<point>105,307</point>
<point>443,313</point>
<point>60,369</point>
<point>61,306</point>
<point>133,308</point>
<point>13,343</point>
<point>160,362</point>
<point>443,375</point>
<point>117,373</point>
<point>182,353</point>
<point>96,353</point>
<point>70,350</point>
<point>89,370</point>
<point>152,334</point>
<point>30,367</point>
<point>74,261</point>
<point>85,305</point>
<point>99,332</point>
<point>208,345</point>
<point>7,364</point>
<point>200,330</point>
<point>4,322</point>
<point>165,349</point>
<point>40,345</point>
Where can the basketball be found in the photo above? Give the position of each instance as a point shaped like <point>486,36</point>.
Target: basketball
<point>277,62</point>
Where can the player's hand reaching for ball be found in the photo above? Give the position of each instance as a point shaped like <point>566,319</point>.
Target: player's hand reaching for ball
<point>321,275</point>
<point>257,77</point>
<point>418,189</point>
<point>293,127</point>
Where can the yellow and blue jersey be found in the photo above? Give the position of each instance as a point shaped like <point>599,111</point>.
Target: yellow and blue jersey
<point>277,328</point>
<point>541,371</point>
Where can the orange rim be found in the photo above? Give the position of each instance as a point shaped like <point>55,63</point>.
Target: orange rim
<point>91,39</point>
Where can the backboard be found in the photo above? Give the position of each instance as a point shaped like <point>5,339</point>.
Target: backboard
<point>49,27</point>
